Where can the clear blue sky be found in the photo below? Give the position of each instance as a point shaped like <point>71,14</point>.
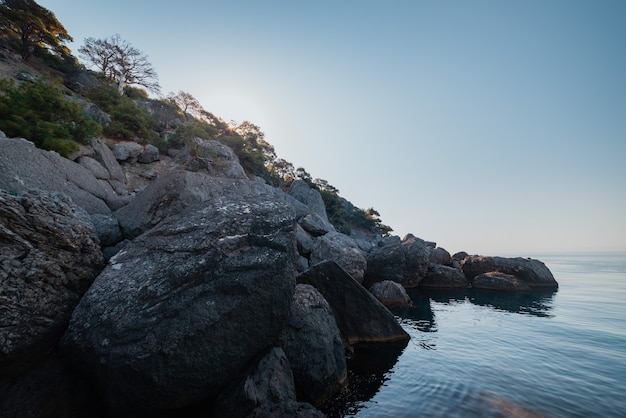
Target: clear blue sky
<point>486,126</point>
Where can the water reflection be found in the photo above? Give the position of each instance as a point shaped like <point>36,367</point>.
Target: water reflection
<point>373,365</point>
<point>537,302</point>
<point>368,370</point>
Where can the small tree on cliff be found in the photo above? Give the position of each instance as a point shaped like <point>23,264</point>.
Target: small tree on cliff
<point>29,25</point>
<point>120,62</point>
<point>187,103</point>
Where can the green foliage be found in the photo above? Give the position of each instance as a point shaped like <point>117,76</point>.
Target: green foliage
<point>29,25</point>
<point>128,121</point>
<point>65,63</point>
<point>135,93</point>
<point>187,132</point>
<point>41,113</point>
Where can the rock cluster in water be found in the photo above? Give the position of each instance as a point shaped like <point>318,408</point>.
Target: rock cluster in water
<point>132,286</point>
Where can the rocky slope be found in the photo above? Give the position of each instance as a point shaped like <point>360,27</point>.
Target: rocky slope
<point>196,311</point>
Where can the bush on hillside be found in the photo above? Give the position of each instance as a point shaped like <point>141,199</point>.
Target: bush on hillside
<point>128,121</point>
<point>42,113</point>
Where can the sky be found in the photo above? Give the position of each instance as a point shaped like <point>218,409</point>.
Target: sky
<point>492,127</point>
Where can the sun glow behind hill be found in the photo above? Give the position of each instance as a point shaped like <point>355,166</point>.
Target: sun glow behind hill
<point>484,126</point>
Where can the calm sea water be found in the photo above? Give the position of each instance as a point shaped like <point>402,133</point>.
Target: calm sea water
<point>489,354</point>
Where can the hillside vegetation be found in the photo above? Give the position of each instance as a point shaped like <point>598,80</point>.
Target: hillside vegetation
<point>58,103</point>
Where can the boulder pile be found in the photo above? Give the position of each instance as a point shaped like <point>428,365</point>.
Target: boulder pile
<point>136,285</point>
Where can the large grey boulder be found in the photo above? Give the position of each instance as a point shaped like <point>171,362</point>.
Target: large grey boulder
<point>127,151</point>
<point>312,343</point>
<point>310,197</point>
<point>440,256</point>
<point>49,255</point>
<point>24,167</point>
<point>444,277</point>
<point>343,250</point>
<point>315,225</point>
<point>405,262</point>
<point>361,318</point>
<point>533,272</point>
<point>173,192</point>
<point>185,307</point>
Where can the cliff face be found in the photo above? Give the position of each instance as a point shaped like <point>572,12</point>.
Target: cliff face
<point>198,290</point>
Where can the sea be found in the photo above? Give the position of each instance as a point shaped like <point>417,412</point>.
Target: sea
<point>494,354</point>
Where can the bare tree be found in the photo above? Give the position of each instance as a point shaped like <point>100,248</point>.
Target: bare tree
<point>120,62</point>
<point>187,103</point>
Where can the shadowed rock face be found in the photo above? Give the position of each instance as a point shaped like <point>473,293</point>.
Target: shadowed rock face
<point>390,293</point>
<point>361,318</point>
<point>312,343</point>
<point>532,272</point>
<point>187,305</point>
<point>405,262</point>
<point>439,276</point>
<point>49,255</point>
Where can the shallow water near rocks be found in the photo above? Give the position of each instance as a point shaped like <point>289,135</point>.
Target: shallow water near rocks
<point>489,354</point>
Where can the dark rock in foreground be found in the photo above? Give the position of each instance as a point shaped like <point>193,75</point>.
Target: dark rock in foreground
<point>312,343</point>
<point>532,272</point>
<point>185,307</point>
<point>360,316</point>
<point>266,389</point>
<point>49,255</point>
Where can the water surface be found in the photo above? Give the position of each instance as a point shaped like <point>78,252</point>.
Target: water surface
<point>490,354</point>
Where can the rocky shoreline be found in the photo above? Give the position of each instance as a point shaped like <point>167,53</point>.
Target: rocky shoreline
<point>134,287</point>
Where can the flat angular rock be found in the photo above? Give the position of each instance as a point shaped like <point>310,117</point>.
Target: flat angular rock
<point>361,318</point>
<point>24,167</point>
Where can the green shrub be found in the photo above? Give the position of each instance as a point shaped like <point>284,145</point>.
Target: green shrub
<point>128,121</point>
<point>41,113</point>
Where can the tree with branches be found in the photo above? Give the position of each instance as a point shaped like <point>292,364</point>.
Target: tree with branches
<point>187,104</point>
<point>120,62</point>
<point>30,25</point>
